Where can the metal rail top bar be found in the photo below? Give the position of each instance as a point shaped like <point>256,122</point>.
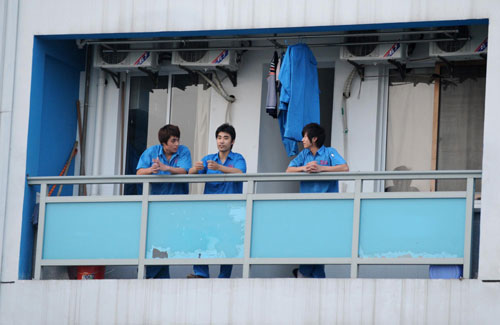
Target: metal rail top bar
<point>257,177</point>
<point>260,47</point>
<point>271,37</point>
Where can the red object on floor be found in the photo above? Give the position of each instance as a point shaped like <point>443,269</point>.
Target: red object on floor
<point>90,272</point>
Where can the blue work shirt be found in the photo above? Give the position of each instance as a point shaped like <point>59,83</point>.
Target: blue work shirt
<point>324,157</point>
<point>182,159</point>
<point>299,96</point>
<point>233,160</point>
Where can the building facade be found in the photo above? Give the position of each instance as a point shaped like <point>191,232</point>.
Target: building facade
<point>48,52</point>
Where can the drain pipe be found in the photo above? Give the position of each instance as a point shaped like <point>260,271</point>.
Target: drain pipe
<point>8,49</point>
<point>82,189</point>
<point>96,166</point>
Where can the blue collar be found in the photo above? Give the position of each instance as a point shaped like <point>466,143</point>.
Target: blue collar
<point>229,156</point>
<point>162,154</point>
<point>319,152</point>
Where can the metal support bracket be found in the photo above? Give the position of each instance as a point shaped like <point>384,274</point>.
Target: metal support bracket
<point>360,68</point>
<point>206,85</point>
<point>151,74</point>
<point>450,35</point>
<point>276,44</point>
<point>232,75</point>
<point>448,64</point>
<point>115,76</point>
<point>401,68</point>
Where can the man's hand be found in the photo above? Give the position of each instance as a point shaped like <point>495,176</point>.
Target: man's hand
<point>159,165</point>
<point>198,166</point>
<point>212,165</point>
<point>155,168</point>
<point>312,167</point>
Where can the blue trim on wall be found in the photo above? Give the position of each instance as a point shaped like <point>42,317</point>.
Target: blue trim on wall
<point>55,82</point>
<point>278,30</point>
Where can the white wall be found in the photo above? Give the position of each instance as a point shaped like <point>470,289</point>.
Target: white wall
<point>8,45</point>
<point>489,263</point>
<point>67,17</point>
<point>256,301</point>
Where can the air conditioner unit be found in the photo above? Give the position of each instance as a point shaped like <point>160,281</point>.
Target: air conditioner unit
<point>124,60</point>
<point>373,52</point>
<point>477,44</point>
<point>206,59</point>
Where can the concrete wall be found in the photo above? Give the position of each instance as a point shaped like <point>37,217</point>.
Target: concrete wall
<point>421,301</point>
<point>255,301</point>
<point>8,44</point>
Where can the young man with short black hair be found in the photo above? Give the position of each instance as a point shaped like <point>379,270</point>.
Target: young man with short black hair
<point>316,158</point>
<point>168,157</point>
<point>225,161</point>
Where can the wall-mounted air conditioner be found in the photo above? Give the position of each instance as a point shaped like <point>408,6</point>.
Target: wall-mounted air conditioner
<point>373,52</point>
<point>206,59</point>
<point>477,44</point>
<point>124,60</point>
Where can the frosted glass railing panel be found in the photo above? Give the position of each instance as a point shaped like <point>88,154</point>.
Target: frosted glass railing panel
<point>98,230</point>
<point>302,228</point>
<point>193,229</point>
<point>429,228</point>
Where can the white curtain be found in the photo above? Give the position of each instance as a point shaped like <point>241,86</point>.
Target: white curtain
<point>461,124</point>
<point>409,129</point>
<point>201,136</point>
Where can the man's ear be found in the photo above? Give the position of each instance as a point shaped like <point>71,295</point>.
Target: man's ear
<point>314,140</point>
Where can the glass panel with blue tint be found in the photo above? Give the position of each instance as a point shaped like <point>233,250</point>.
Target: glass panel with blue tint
<point>194,229</point>
<point>302,228</point>
<point>98,230</point>
<point>428,228</point>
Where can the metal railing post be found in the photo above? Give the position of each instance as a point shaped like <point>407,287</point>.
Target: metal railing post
<point>40,231</point>
<point>469,211</point>
<point>248,228</point>
<point>144,229</point>
<point>355,227</point>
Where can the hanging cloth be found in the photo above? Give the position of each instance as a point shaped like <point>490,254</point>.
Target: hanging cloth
<point>271,102</point>
<point>299,96</point>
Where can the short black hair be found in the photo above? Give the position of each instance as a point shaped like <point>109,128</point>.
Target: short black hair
<point>168,131</point>
<point>314,130</point>
<point>227,128</point>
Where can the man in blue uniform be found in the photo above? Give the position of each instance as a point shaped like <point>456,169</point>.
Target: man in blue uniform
<point>168,157</point>
<point>223,162</point>
<point>316,158</point>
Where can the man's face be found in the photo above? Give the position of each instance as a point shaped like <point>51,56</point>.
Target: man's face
<point>171,146</point>
<point>224,142</point>
<point>306,142</point>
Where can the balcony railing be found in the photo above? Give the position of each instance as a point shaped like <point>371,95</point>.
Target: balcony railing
<point>352,228</point>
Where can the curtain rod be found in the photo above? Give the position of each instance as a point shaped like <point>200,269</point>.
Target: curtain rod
<point>262,47</point>
<point>268,38</point>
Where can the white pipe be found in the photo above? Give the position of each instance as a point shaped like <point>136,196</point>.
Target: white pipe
<point>8,48</point>
<point>96,166</point>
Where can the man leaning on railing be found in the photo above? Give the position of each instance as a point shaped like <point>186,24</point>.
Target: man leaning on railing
<point>168,157</point>
<point>316,158</point>
<point>225,161</point>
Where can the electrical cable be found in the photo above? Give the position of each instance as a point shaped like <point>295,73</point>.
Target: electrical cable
<point>345,95</point>
<point>217,86</point>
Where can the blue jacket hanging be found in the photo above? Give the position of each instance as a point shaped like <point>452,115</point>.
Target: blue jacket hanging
<point>299,97</point>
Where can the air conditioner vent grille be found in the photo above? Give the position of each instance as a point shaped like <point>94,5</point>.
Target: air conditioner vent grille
<point>453,46</point>
<point>362,50</point>
<point>193,56</point>
<point>114,57</point>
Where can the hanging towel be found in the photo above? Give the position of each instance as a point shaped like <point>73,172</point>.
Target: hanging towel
<point>271,101</point>
<point>299,96</point>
